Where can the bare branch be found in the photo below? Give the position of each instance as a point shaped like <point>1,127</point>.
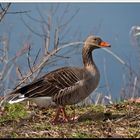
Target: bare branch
<point>41,65</point>
<point>53,9</point>
<point>69,20</point>
<point>56,39</point>
<point>2,7</point>
<point>23,50</point>
<point>19,12</point>
<point>36,57</point>
<point>4,11</point>
<point>34,19</point>
<point>106,80</point>
<point>64,13</point>
<point>49,33</point>
<point>36,33</point>
<point>120,60</point>
<point>41,16</point>
<point>19,73</point>
<point>61,56</point>
<point>28,58</point>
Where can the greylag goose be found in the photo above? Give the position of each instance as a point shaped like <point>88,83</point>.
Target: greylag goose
<point>64,86</point>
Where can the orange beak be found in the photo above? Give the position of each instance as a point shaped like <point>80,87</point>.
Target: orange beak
<point>105,44</point>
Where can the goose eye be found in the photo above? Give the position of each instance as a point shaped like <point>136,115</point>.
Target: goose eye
<point>96,41</point>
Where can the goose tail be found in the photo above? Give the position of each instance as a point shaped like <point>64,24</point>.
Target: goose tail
<point>13,98</point>
<point>16,98</point>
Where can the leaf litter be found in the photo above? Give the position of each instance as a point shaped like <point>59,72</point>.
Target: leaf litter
<point>119,120</point>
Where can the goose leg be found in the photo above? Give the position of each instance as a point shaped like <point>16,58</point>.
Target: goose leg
<point>65,118</point>
<point>55,120</point>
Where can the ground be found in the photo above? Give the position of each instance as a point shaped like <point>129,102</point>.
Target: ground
<point>120,120</point>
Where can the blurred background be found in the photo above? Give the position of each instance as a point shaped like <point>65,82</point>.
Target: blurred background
<point>31,32</point>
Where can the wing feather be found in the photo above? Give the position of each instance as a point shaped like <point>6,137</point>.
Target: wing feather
<point>53,84</point>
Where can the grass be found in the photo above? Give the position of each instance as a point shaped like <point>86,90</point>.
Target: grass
<point>13,112</point>
<point>95,121</point>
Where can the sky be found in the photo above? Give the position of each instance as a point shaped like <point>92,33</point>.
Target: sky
<point>111,21</point>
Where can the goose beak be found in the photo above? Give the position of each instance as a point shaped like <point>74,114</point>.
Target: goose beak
<point>104,44</point>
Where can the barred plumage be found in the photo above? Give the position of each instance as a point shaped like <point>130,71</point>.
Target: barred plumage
<point>67,85</point>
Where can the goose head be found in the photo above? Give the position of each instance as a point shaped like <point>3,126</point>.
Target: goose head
<point>93,42</point>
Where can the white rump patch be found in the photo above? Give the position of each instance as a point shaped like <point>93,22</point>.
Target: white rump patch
<point>16,101</point>
<point>44,101</point>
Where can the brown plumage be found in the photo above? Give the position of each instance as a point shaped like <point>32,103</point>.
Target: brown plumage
<point>64,86</point>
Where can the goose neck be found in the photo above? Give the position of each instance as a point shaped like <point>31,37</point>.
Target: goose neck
<point>87,57</point>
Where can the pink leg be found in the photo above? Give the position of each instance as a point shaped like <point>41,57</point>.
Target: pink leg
<point>55,120</point>
<point>65,117</point>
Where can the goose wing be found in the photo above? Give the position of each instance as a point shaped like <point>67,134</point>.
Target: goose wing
<point>52,84</point>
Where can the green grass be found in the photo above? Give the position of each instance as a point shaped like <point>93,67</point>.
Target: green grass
<point>95,121</point>
<point>13,112</point>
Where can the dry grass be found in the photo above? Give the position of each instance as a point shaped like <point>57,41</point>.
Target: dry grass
<point>117,120</point>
